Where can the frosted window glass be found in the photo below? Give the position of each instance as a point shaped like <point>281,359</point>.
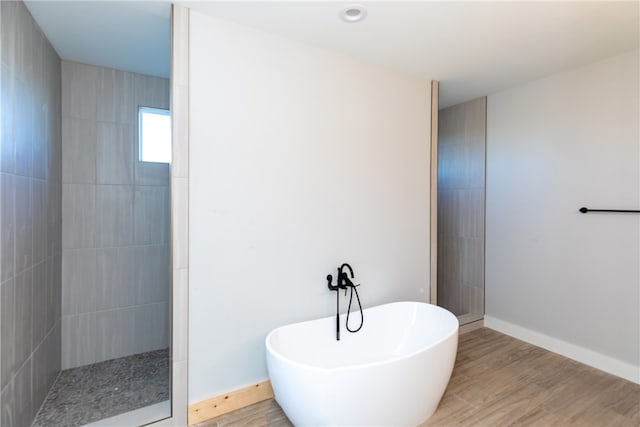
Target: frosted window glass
<point>155,135</point>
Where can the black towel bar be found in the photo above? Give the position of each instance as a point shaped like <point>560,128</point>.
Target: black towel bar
<point>585,210</point>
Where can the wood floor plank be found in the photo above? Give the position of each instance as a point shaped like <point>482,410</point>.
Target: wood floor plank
<point>623,398</point>
<point>504,407</point>
<point>537,417</point>
<point>501,381</point>
<point>451,411</point>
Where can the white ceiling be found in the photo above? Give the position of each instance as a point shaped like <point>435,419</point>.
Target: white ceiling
<point>474,48</point>
<point>125,35</point>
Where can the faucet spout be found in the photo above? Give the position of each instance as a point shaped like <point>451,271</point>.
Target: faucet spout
<point>345,265</point>
<point>343,277</point>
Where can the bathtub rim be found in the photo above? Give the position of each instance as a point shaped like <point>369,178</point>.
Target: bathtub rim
<point>319,369</point>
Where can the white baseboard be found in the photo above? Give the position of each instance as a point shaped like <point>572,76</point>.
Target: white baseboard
<point>588,357</point>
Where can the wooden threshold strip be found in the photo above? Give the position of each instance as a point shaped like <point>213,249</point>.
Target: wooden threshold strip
<point>227,402</point>
<point>472,326</point>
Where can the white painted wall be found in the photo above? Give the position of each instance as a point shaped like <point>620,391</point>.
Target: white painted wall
<point>300,159</point>
<point>555,145</point>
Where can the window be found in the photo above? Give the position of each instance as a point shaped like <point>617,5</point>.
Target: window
<point>154,127</point>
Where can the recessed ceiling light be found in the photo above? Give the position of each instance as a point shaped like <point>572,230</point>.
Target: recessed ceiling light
<point>353,13</point>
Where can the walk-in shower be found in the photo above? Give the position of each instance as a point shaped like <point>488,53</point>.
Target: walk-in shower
<point>85,256</point>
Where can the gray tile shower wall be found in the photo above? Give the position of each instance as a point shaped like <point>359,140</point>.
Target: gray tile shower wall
<point>115,261</point>
<point>30,216</point>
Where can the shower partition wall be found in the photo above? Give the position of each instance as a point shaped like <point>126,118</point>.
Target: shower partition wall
<point>84,237</point>
<point>115,252</point>
<point>461,209</point>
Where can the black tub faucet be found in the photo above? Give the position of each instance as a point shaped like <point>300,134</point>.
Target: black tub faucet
<point>343,282</point>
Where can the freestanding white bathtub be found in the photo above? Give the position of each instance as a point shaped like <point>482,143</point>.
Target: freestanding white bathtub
<point>391,373</point>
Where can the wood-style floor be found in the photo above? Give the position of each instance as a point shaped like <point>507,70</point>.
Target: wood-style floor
<point>501,381</point>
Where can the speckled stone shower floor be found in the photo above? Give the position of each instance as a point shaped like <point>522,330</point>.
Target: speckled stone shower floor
<point>90,393</point>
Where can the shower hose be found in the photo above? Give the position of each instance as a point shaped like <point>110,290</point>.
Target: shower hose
<point>354,290</point>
